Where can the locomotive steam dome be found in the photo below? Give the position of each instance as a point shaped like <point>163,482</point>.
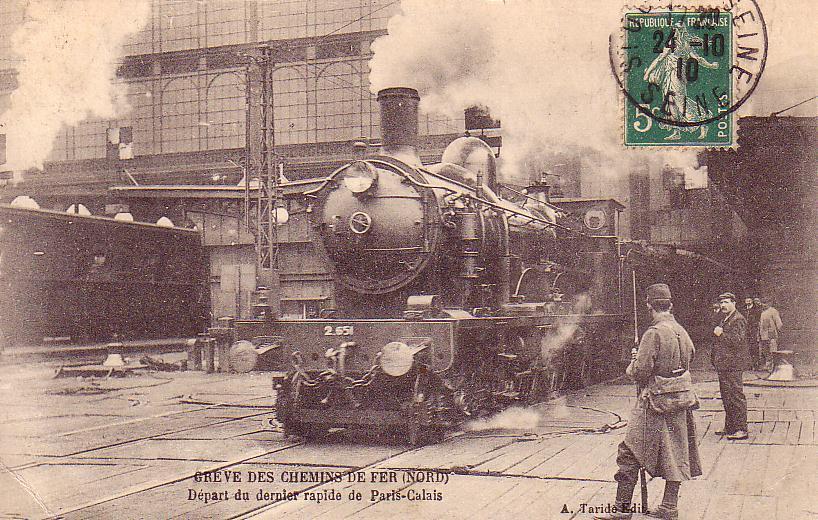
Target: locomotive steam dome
<point>474,155</point>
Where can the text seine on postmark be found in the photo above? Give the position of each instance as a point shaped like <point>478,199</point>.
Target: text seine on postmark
<point>684,72</point>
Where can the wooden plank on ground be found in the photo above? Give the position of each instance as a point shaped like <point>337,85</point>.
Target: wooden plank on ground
<point>600,463</point>
<point>728,468</point>
<point>779,435</point>
<point>799,486</point>
<point>751,480</point>
<point>758,508</point>
<point>694,498</point>
<point>776,470</point>
<point>724,506</point>
<point>764,435</point>
<point>548,450</point>
<point>794,432</point>
<point>709,452</point>
<point>562,461</point>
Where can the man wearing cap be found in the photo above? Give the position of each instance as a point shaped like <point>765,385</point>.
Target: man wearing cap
<point>664,444</point>
<point>730,358</point>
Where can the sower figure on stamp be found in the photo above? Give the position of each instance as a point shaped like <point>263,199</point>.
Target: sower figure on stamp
<point>664,443</point>
<point>731,358</point>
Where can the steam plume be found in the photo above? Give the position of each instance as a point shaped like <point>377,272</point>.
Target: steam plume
<point>509,419</point>
<point>543,68</point>
<point>69,52</point>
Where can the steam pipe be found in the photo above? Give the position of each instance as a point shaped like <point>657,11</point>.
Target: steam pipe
<point>504,271</point>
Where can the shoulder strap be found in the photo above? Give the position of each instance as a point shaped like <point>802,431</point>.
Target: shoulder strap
<point>678,342</point>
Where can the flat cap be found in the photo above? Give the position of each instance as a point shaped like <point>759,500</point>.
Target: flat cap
<point>658,291</point>
<point>727,296</point>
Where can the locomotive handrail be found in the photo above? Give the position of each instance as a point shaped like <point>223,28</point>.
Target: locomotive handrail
<point>547,204</point>
<point>481,200</point>
<point>491,204</point>
<point>520,281</point>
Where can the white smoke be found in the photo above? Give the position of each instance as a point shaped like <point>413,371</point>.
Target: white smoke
<point>509,419</point>
<point>543,68</point>
<point>565,331</point>
<point>69,52</point>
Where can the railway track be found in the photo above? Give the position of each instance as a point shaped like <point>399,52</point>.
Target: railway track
<point>145,449</point>
<point>142,449</point>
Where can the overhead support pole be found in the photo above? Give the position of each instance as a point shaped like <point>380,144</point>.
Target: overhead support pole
<point>262,191</point>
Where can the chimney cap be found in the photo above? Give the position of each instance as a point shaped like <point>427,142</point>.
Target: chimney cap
<point>398,92</point>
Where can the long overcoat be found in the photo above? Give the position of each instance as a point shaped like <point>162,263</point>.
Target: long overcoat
<point>769,324</point>
<point>664,444</point>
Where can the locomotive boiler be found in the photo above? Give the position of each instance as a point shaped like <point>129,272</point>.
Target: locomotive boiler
<point>451,301</point>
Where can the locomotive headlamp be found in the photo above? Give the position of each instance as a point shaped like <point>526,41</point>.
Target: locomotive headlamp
<point>396,358</point>
<point>360,176</point>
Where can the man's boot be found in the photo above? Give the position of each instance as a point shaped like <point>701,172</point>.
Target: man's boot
<point>668,509</point>
<point>624,495</point>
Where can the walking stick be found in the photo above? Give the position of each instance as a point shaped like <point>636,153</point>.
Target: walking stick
<point>643,481</point>
<point>643,478</point>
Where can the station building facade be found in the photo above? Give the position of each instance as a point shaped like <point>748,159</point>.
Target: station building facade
<point>186,79</point>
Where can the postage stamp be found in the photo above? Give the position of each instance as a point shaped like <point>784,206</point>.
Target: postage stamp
<point>685,71</point>
<point>678,69</point>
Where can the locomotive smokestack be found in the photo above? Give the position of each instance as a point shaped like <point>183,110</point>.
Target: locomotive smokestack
<point>399,123</point>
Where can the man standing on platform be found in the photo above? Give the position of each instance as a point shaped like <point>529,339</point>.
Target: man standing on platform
<point>769,328</point>
<point>663,443</point>
<point>731,358</point>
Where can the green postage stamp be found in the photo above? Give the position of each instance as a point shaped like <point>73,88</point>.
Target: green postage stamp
<point>678,78</point>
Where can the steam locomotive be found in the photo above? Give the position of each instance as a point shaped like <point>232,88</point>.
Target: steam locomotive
<point>451,301</point>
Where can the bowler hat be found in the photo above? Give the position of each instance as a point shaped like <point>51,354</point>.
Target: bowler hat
<point>727,296</point>
<point>658,291</point>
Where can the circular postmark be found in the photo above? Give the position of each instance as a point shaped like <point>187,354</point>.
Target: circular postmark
<point>684,71</point>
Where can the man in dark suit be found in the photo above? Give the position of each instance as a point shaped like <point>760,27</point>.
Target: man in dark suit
<point>731,357</point>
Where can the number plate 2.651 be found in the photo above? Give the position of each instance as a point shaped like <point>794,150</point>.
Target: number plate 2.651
<point>339,330</point>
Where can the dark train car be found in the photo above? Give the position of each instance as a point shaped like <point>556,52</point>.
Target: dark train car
<point>449,301</point>
<point>87,279</point>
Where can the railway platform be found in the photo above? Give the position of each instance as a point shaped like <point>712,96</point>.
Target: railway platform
<point>197,445</point>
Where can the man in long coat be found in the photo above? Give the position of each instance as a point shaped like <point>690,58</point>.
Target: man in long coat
<point>664,444</point>
<point>731,358</point>
<point>769,328</point>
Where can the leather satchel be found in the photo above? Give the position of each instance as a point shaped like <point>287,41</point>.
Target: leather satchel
<point>674,393</point>
<point>671,394</point>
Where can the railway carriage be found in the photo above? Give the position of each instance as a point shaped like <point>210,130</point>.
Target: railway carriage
<point>88,279</point>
